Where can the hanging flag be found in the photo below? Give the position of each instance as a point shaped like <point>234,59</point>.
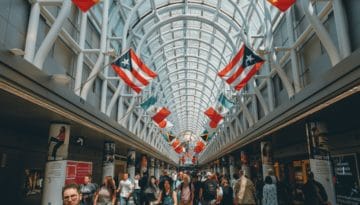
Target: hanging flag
<point>160,114</point>
<point>179,149</point>
<point>175,143</point>
<point>199,147</point>
<point>282,5</point>
<point>133,71</point>
<point>171,136</point>
<point>85,5</point>
<point>194,159</point>
<point>165,136</point>
<point>215,117</point>
<point>225,104</point>
<point>165,124</point>
<point>241,68</point>
<point>206,136</point>
<point>149,103</point>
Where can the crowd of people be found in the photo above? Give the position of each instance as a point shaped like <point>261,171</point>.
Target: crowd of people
<point>184,188</point>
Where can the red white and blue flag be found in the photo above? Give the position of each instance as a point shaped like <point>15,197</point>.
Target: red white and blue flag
<point>282,5</point>
<point>85,5</point>
<point>241,68</point>
<point>133,71</point>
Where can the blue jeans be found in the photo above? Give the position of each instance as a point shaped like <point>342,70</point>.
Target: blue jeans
<point>124,201</point>
<point>136,196</point>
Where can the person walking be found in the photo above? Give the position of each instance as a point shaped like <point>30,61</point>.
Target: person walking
<point>88,190</point>
<point>269,192</point>
<point>125,188</point>
<point>167,196</point>
<point>186,191</point>
<point>314,192</point>
<point>106,195</point>
<point>227,198</point>
<point>208,192</point>
<point>244,190</point>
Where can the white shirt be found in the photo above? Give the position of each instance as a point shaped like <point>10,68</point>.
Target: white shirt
<point>136,183</point>
<point>126,188</point>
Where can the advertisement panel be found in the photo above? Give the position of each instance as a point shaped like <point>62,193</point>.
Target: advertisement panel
<point>347,179</point>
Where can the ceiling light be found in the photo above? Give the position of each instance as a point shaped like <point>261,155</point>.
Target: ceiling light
<point>60,79</point>
<point>17,51</point>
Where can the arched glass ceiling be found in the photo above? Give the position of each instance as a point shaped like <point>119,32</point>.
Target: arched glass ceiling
<point>187,42</point>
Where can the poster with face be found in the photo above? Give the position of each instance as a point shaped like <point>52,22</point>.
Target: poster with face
<point>143,164</point>
<point>58,141</point>
<point>318,141</point>
<point>109,152</point>
<point>244,158</point>
<point>266,153</point>
<point>131,158</point>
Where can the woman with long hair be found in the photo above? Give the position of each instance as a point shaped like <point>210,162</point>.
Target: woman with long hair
<point>167,195</point>
<point>106,195</point>
<point>186,190</point>
<point>152,191</point>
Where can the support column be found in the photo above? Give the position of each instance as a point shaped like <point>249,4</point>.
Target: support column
<point>224,165</point>
<point>162,166</point>
<point>218,169</point>
<point>231,166</point>
<point>157,169</point>
<point>342,28</point>
<point>319,155</point>
<point>267,158</point>
<point>131,157</point>
<point>108,159</point>
<point>55,168</point>
<point>167,168</point>
<point>244,160</point>
<point>152,167</point>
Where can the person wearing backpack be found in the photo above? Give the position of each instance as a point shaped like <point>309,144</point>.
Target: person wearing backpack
<point>208,192</point>
<point>244,190</point>
<point>186,190</point>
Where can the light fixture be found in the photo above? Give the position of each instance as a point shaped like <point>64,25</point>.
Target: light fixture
<point>17,51</point>
<point>111,53</point>
<point>60,79</point>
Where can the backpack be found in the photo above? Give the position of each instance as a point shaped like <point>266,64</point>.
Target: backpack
<point>210,188</point>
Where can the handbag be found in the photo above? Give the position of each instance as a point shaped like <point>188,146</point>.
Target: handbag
<point>150,194</point>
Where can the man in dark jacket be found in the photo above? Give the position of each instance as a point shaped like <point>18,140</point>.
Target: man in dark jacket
<point>314,192</point>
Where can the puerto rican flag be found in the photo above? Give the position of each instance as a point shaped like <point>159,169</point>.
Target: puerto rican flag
<point>133,71</point>
<point>241,68</point>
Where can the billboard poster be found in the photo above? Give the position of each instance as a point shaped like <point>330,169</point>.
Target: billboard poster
<point>58,141</point>
<point>266,158</point>
<point>108,159</point>
<point>319,153</point>
<point>76,171</point>
<point>347,179</point>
